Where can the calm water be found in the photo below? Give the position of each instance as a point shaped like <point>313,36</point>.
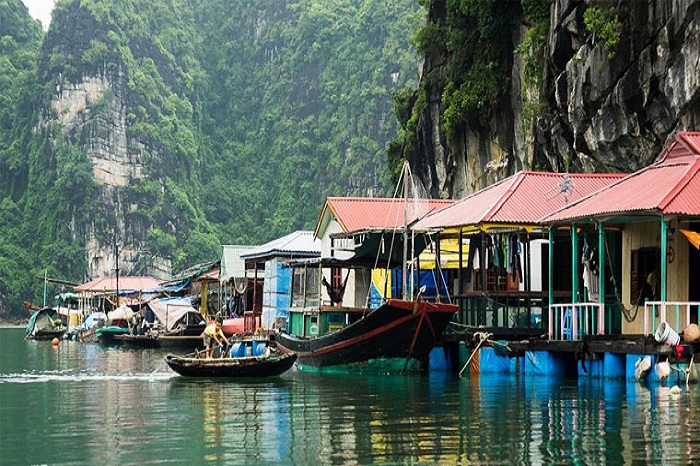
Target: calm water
<point>84,404</point>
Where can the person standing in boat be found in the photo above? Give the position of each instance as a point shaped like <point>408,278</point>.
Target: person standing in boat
<point>213,336</point>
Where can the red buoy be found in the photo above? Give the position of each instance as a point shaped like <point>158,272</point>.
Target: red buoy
<point>55,341</point>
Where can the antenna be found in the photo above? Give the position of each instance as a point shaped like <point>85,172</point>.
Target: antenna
<point>565,187</point>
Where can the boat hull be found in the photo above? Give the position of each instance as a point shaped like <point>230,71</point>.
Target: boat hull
<point>46,335</point>
<point>246,367</point>
<point>106,335</point>
<point>398,329</point>
<point>160,340</point>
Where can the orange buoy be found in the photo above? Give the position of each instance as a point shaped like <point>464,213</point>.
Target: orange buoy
<point>55,341</point>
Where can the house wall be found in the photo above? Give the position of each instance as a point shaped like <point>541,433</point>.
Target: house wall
<point>351,298</point>
<point>647,235</point>
<point>276,294</point>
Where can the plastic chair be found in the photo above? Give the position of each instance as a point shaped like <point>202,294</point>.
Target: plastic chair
<point>567,326</point>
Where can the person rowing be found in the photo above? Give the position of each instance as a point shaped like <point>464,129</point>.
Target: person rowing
<point>214,336</point>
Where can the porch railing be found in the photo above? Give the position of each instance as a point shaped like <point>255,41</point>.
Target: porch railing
<point>572,321</point>
<point>660,310</point>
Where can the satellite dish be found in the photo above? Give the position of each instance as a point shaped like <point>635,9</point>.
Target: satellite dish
<point>241,284</point>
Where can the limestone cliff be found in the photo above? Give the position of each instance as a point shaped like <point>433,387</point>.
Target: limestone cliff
<point>97,114</point>
<point>595,106</point>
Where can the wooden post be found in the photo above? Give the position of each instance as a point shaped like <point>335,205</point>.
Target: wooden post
<point>460,279</point>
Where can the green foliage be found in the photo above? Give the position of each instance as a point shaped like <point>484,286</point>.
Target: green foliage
<point>160,242</point>
<point>97,54</point>
<point>470,44</point>
<point>243,123</point>
<point>605,25</point>
<point>474,97</point>
<point>429,38</point>
<point>532,49</point>
<point>536,11</point>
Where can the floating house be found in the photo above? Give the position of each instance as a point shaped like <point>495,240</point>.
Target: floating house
<point>344,226</point>
<point>128,288</point>
<point>234,280</point>
<point>199,282</point>
<point>503,285</point>
<point>271,281</point>
<point>656,212</point>
<point>617,267</point>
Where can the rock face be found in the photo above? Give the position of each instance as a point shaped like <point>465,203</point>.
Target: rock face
<point>596,113</point>
<point>91,107</point>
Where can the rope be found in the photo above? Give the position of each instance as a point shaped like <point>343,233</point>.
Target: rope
<point>685,371</point>
<point>483,337</point>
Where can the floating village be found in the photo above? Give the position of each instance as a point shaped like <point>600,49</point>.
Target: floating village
<point>540,274</point>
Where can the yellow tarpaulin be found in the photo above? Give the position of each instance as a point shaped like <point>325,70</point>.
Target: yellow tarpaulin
<point>382,281</point>
<point>449,255</point>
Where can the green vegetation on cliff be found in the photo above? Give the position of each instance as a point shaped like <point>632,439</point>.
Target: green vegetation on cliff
<point>242,117</point>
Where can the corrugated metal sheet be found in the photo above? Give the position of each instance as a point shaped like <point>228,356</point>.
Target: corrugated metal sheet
<point>232,266</point>
<point>108,284</point>
<point>686,199</point>
<point>355,213</point>
<point>523,198</point>
<point>669,186</point>
<point>296,244</point>
<point>683,144</point>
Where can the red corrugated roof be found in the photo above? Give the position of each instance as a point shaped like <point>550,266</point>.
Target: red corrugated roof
<point>670,186</point>
<point>104,284</point>
<point>359,213</point>
<point>687,201</point>
<point>523,198</point>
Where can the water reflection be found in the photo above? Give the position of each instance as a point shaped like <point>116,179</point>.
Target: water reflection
<point>85,404</point>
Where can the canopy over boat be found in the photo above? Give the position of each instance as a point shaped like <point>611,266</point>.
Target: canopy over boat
<point>172,311</point>
<point>121,313</point>
<point>43,323</point>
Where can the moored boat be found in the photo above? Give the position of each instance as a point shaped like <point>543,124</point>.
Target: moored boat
<point>117,324</point>
<point>174,323</point>
<point>397,329</point>
<point>45,324</point>
<point>381,308</point>
<point>244,359</point>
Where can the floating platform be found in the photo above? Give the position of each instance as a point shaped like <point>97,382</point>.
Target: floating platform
<point>599,356</point>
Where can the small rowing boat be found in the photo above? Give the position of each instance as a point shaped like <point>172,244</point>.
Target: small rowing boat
<point>242,359</point>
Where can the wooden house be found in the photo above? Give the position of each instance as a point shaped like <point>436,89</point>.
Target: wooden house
<point>503,282</point>
<point>656,210</point>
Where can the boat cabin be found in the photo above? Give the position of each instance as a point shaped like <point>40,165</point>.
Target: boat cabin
<point>361,262</point>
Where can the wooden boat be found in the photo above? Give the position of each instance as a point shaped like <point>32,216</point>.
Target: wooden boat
<point>159,340</point>
<point>386,331</point>
<point>44,324</point>
<point>244,359</point>
<point>106,335</point>
<point>397,329</point>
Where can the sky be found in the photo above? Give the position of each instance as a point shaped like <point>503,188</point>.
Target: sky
<point>41,10</point>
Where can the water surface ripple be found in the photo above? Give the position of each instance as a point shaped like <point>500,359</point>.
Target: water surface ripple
<point>84,404</point>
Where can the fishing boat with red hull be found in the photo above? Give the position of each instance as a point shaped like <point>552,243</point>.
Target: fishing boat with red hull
<point>380,309</point>
<point>398,329</point>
